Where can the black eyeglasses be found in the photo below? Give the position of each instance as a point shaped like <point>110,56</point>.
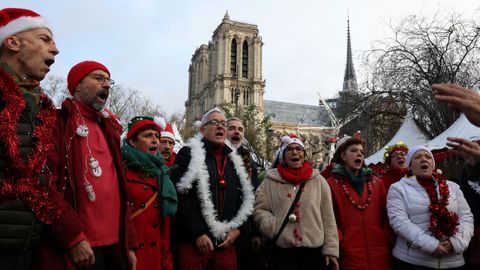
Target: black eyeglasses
<point>217,123</point>
<point>102,79</point>
<point>400,154</point>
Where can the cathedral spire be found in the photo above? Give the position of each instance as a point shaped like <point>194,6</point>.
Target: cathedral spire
<point>349,79</point>
<point>227,16</point>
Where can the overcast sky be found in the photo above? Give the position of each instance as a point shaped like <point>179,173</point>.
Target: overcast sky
<point>148,44</point>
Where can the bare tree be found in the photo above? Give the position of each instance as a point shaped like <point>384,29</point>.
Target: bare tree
<point>376,116</point>
<point>420,52</point>
<point>55,87</point>
<point>178,118</point>
<point>127,103</point>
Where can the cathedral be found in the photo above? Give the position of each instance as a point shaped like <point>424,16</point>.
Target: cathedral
<point>227,73</point>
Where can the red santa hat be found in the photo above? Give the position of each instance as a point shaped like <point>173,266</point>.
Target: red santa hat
<point>139,122</point>
<point>166,128</point>
<point>16,20</point>
<point>80,71</point>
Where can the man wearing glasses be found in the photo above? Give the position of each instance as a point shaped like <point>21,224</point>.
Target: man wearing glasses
<point>87,168</point>
<point>215,197</point>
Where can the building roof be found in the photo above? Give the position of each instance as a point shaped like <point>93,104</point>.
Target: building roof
<point>302,114</point>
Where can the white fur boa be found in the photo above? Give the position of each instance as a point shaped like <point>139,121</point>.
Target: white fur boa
<point>198,171</point>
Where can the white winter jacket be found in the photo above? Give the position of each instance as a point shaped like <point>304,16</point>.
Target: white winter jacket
<point>407,207</point>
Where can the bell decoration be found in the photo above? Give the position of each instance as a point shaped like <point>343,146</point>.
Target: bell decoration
<point>292,218</point>
<point>82,130</point>
<point>90,191</point>
<point>95,167</point>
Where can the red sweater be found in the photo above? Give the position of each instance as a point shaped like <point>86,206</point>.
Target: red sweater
<point>100,217</point>
<point>392,176</point>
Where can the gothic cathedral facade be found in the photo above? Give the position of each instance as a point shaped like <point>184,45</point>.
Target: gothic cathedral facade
<point>227,72</point>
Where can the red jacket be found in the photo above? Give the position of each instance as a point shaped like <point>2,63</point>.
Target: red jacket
<point>392,176</point>
<point>67,172</point>
<point>364,235</point>
<point>153,231</point>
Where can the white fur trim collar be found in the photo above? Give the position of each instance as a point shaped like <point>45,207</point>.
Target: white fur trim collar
<point>197,171</point>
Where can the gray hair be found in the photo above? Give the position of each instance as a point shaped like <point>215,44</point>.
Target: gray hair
<point>234,119</point>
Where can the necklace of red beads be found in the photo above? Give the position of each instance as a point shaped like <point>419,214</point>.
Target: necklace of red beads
<point>361,207</point>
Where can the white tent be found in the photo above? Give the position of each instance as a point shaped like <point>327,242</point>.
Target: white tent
<point>408,133</point>
<point>461,128</point>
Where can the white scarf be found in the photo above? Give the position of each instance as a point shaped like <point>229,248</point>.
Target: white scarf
<point>198,171</point>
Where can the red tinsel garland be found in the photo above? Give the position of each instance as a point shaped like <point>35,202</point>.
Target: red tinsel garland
<point>443,223</point>
<point>21,181</point>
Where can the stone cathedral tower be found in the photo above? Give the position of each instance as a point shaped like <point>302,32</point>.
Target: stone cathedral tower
<point>227,72</point>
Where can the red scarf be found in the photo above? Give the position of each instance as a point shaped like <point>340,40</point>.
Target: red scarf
<point>295,176</point>
<point>169,162</point>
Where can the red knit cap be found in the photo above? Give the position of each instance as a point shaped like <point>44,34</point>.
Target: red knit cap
<point>139,122</point>
<point>80,71</point>
<point>16,20</point>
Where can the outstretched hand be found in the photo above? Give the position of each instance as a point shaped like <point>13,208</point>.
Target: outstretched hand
<point>469,151</point>
<point>459,99</point>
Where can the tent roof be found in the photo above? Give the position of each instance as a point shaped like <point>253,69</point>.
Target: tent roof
<point>408,133</point>
<point>461,128</point>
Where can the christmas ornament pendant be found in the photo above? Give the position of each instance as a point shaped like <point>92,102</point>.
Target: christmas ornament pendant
<point>90,191</point>
<point>105,114</point>
<point>82,130</point>
<point>95,167</point>
<point>292,218</point>
<point>222,183</point>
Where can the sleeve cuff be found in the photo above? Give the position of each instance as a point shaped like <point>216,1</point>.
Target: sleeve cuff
<point>430,248</point>
<point>79,238</point>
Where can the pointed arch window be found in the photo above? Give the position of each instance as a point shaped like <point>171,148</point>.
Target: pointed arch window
<point>245,59</point>
<point>246,96</point>
<point>233,58</point>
